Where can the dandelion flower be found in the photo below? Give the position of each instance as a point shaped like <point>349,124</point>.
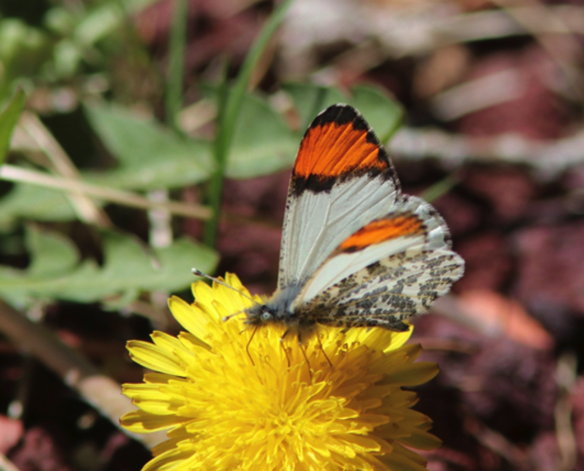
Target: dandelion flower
<point>334,403</point>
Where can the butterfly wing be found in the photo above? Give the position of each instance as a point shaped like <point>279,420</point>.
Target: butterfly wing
<point>342,179</point>
<point>389,270</point>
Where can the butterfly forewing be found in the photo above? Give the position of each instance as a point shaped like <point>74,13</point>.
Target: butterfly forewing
<point>342,179</point>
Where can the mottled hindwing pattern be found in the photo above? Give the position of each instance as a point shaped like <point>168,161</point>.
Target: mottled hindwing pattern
<point>385,272</point>
<point>386,292</point>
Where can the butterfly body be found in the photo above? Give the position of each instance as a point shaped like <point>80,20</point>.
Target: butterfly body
<point>356,251</point>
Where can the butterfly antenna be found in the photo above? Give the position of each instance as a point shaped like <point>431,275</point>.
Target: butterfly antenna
<point>197,272</point>
<point>226,318</point>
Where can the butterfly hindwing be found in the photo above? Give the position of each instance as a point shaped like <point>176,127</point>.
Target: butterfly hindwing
<point>385,272</point>
<point>386,292</point>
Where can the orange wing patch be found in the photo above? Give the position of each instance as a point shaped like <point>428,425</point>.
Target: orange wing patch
<point>332,149</point>
<point>381,230</point>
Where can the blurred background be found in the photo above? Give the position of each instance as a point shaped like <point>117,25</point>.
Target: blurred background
<point>142,138</point>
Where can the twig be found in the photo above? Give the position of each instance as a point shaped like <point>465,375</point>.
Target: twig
<point>193,117</point>
<point>566,378</point>
<point>18,174</point>
<point>501,23</point>
<point>477,94</point>
<point>97,389</point>
<point>160,318</point>
<point>87,210</point>
<point>450,307</point>
<point>546,158</point>
<point>402,33</point>
<point>498,443</point>
<point>530,18</point>
<point>6,464</point>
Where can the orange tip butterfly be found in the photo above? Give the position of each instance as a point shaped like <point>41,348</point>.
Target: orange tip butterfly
<point>355,251</point>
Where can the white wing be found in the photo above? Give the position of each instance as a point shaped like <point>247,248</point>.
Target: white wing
<point>342,180</point>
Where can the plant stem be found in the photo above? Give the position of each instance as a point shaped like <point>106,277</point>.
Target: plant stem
<point>230,102</point>
<point>174,88</point>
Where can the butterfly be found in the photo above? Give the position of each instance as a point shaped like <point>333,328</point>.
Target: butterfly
<point>355,250</point>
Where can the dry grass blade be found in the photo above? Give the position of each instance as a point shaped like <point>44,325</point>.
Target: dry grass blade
<point>17,174</point>
<point>97,389</point>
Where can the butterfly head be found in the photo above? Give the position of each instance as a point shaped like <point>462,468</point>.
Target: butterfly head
<point>277,310</point>
<point>260,314</point>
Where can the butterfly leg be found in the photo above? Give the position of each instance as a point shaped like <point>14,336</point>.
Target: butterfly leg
<point>323,352</point>
<point>308,368</point>
<point>301,334</point>
<point>249,343</point>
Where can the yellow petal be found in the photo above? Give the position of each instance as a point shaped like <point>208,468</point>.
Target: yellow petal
<point>152,357</point>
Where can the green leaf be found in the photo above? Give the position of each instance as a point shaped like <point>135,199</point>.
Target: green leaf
<point>440,188</point>
<point>103,18</point>
<point>382,112</point>
<point>24,51</point>
<point>55,255</point>
<point>310,99</point>
<point>8,119</point>
<point>262,143</point>
<point>149,156</point>
<point>128,269</point>
<point>35,203</point>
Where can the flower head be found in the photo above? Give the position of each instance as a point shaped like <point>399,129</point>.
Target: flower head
<point>333,403</point>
